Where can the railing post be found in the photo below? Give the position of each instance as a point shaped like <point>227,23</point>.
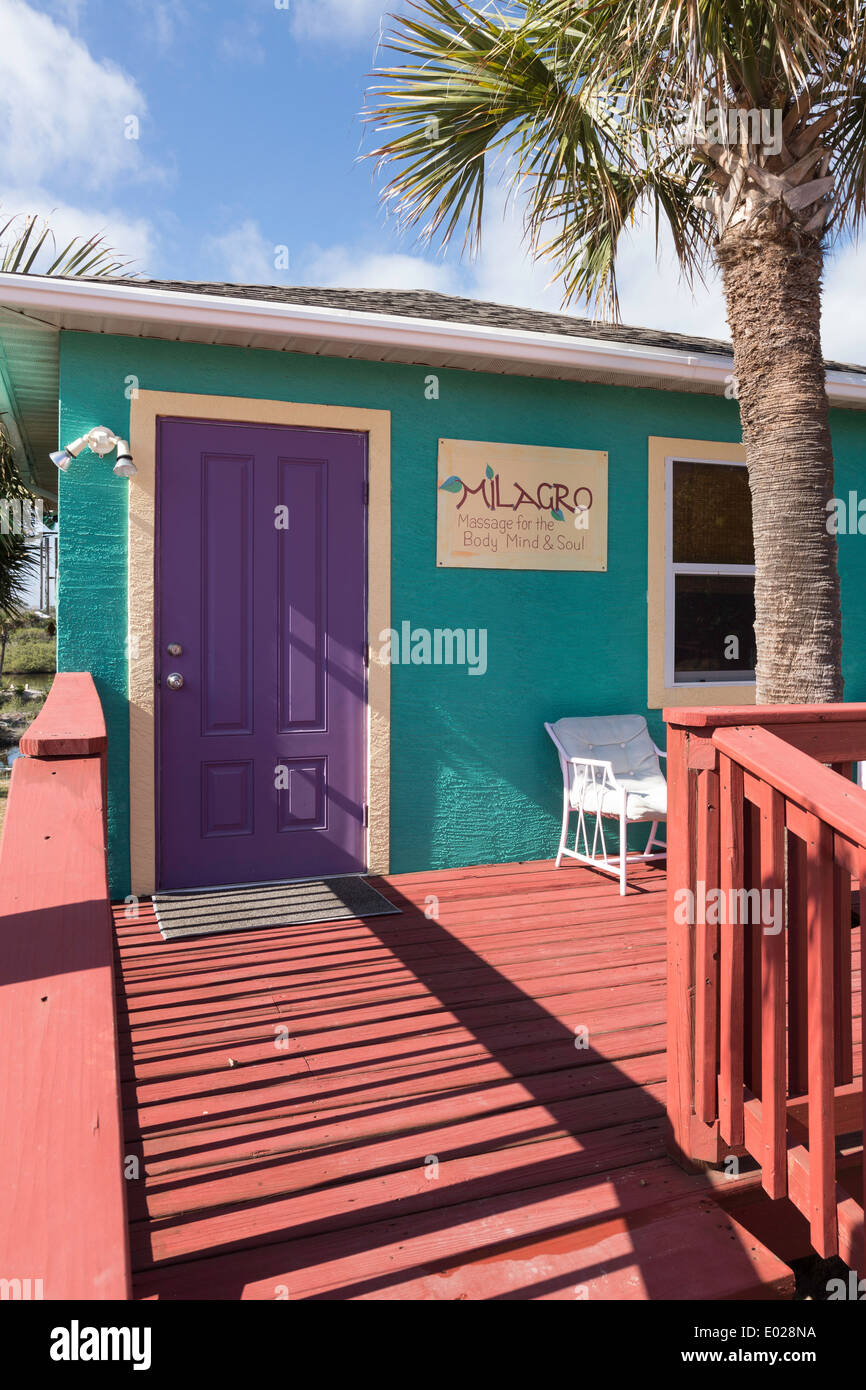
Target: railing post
<point>692,1135</point>
<point>63,1214</point>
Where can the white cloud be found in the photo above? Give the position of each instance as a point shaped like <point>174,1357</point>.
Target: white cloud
<point>653,293</point>
<point>842,332</point>
<point>348,268</point>
<point>243,255</point>
<point>336,19</point>
<point>504,271</point>
<point>62,111</point>
<point>654,296</point>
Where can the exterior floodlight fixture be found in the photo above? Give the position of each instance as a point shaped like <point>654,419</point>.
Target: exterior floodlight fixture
<point>124,468</point>
<point>63,457</point>
<point>100,441</point>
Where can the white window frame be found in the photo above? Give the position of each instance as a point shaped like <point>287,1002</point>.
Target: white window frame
<point>719,679</point>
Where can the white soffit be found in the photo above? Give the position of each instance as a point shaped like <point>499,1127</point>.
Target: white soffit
<point>29,390</point>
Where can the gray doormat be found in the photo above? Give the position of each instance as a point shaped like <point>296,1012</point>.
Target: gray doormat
<point>257,905</point>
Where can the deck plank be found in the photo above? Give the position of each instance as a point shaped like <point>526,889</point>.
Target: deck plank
<point>464,1106</point>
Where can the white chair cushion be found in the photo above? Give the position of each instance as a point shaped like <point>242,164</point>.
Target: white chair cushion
<point>646,798</point>
<point>623,740</point>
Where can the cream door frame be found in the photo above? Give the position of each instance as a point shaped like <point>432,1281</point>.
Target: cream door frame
<point>145,409</point>
<point>659,694</point>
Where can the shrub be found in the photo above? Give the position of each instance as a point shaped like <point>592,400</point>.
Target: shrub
<point>29,651</point>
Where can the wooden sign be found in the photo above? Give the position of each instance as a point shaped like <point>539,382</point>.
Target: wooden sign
<point>518,507</point>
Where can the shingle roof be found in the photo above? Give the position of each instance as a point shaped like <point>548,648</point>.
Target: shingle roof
<point>449,308</point>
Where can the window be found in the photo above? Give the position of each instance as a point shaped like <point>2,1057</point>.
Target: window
<point>701,575</point>
<point>710,574</point>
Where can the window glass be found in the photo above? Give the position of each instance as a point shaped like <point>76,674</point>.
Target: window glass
<point>712,514</point>
<point>714,635</point>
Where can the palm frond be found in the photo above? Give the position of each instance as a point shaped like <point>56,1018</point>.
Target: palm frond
<point>458,99</point>
<point>24,238</point>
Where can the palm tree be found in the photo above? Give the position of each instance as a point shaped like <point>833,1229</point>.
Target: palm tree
<point>738,124</point>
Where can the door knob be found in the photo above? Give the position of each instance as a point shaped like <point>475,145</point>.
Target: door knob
<point>175,681</point>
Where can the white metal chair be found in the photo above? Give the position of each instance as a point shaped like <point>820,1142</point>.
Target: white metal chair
<point>610,767</point>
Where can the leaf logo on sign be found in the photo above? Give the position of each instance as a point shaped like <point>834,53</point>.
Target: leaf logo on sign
<point>452,484</point>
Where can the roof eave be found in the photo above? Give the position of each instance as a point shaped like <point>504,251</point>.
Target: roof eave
<point>167,308</point>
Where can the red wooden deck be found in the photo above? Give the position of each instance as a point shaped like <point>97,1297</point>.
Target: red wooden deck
<point>397,1108</point>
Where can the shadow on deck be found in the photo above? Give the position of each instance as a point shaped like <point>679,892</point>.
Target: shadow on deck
<point>462,1101</point>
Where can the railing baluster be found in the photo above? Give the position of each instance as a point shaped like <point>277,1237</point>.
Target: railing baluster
<point>752,961</point>
<point>798,985</point>
<point>822,1148</point>
<point>706,950</point>
<point>844,1026</point>
<point>772,942</point>
<point>731,956</point>
<point>844,1058</point>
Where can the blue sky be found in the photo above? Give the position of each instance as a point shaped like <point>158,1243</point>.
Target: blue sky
<point>249,139</point>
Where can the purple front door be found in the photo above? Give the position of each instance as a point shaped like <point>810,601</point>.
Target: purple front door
<point>262,593</point>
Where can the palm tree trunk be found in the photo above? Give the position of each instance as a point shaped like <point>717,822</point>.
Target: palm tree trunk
<point>772,281</point>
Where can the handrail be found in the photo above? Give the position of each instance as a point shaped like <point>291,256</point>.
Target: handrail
<point>765,840</point>
<point>722,716</point>
<point>70,724</point>
<point>63,1226</point>
<point>818,789</point>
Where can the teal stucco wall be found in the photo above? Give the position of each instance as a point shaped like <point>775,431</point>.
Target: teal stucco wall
<point>474,778</point>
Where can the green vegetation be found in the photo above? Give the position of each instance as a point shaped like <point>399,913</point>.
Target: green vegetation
<point>31,651</point>
<point>29,645</point>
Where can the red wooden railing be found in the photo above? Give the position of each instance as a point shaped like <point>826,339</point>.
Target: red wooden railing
<point>63,1228</point>
<point>761,1029</point>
